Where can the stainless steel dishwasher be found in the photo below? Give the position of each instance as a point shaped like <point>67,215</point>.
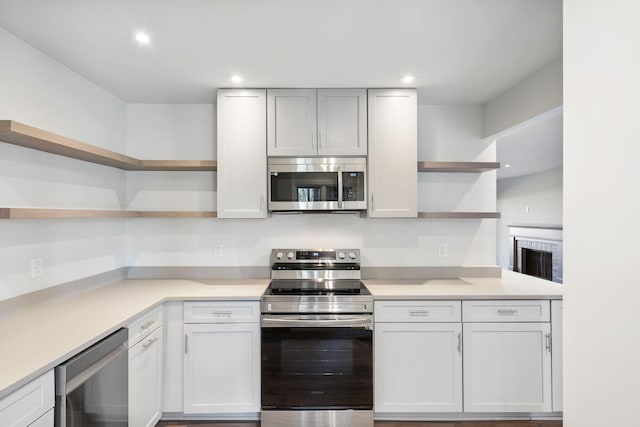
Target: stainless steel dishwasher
<point>91,388</point>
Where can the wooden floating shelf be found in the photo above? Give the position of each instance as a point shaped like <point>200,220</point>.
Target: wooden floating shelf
<point>27,136</point>
<point>35,213</point>
<point>459,215</point>
<point>457,167</point>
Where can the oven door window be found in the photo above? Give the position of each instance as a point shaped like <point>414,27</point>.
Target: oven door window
<point>313,368</point>
<point>304,187</point>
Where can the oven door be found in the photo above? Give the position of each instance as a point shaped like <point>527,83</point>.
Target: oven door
<point>317,362</point>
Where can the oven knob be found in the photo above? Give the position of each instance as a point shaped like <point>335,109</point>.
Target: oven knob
<point>290,255</point>
<point>352,255</point>
<point>279,255</point>
<point>341,255</point>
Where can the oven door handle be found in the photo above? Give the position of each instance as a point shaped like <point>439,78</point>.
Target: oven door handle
<point>288,322</point>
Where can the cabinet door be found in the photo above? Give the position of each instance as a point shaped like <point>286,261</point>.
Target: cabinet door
<point>556,354</point>
<point>28,403</point>
<point>291,128</point>
<point>393,153</point>
<point>242,157</point>
<point>145,381</point>
<point>342,122</point>
<point>507,367</point>
<point>173,356</point>
<point>222,368</point>
<point>418,367</point>
<point>47,420</point>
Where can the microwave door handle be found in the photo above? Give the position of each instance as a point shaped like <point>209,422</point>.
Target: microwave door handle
<point>340,187</point>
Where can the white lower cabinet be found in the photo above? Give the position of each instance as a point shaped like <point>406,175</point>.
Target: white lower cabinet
<point>145,380</point>
<point>556,354</point>
<point>418,367</point>
<point>507,367</point>
<point>44,421</point>
<point>222,362</point>
<point>30,405</point>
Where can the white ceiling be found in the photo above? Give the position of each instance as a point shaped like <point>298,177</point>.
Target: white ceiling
<point>462,51</point>
<point>536,148</point>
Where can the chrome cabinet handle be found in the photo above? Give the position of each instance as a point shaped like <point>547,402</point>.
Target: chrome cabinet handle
<point>222,313</point>
<point>313,140</point>
<point>186,343</point>
<point>459,346</point>
<point>372,205</point>
<point>148,324</point>
<point>418,312</point>
<point>148,343</point>
<point>547,339</point>
<point>505,312</point>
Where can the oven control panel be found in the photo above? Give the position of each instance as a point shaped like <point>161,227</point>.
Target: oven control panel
<point>301,256</point>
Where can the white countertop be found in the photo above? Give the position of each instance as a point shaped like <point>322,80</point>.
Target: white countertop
<point>510,286</point>
<point>41,336</point>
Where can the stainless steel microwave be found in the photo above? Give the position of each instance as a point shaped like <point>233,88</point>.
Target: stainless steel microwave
<point>317,184</point>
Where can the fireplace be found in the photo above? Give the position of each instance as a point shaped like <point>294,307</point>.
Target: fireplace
<point>537,251</point>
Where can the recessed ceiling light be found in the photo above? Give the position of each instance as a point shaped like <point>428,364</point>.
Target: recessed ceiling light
<point>507,165</point>
<point>408,79</point>
<point>236,79</point>
<point>143,38</point>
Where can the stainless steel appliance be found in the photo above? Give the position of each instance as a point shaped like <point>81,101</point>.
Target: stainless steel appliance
<point>317,341</point>
<point>91,388</point>
<point>317,184</point>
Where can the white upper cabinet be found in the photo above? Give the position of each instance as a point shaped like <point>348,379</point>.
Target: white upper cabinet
<point>291,115</point>
<point>242,157</point>
<point>342,122</point>
<point>323,122</point>
<point>393,153</point>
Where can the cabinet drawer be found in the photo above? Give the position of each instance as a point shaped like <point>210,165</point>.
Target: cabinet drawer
<point>144,325</point>
<point>417,311</point>
<point>506,311</point>
<point>44,421</point>
<point>222,312</point>
<point>28,403</point>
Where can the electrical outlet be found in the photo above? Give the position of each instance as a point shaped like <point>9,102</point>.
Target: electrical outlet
<point>217,250</point>
<point>36,267</point>
<point>443,249</point>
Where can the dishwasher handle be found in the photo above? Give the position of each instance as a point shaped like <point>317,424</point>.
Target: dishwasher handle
<point>72,373</point>
<point>83,376</point>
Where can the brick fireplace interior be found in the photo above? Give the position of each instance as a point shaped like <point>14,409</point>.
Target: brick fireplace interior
<point>537,251</point>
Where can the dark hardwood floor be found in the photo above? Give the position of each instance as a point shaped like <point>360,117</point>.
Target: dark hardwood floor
<point>379,424</point>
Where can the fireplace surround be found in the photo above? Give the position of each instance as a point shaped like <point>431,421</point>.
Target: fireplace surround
<point>536,250</point>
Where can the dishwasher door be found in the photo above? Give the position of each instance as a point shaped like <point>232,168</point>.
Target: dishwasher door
<point>92,387</point>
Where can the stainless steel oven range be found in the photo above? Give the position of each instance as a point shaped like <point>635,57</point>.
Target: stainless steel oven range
<point>317,341</point>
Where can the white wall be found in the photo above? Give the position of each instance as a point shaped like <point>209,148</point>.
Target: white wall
<point>532,97</point>
<point>181,132</point>
<point>540,192</point>
<point>40,92</point>
<point>601,206</point>
<point>445,133</point>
